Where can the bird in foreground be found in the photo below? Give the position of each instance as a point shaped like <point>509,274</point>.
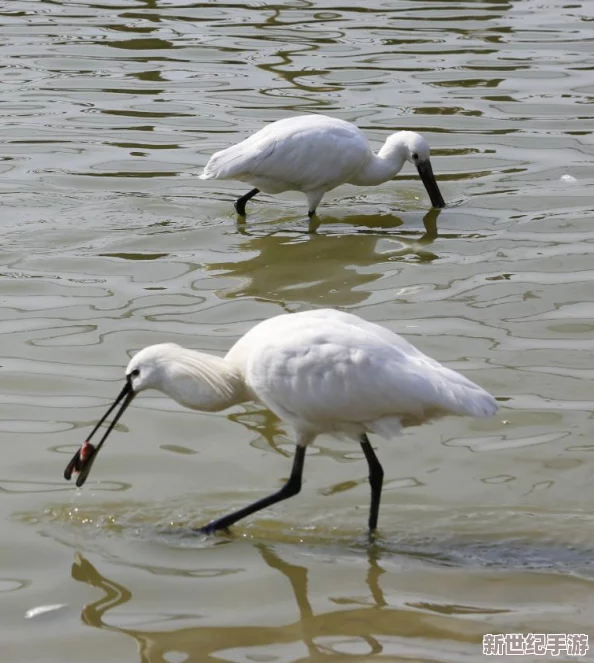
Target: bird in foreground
<point>314,154</point>
<point>323,371</point>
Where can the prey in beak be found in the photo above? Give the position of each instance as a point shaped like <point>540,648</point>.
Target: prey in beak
<point>83,459</point>
<point>428,178</point>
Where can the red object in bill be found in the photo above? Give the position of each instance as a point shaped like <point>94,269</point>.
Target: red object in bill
<point>86,451</point>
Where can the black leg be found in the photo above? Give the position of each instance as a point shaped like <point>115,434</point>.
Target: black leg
<point>376,478</point>
<point>311,213</point>
<point>292,487</point>
<point>239,204</point>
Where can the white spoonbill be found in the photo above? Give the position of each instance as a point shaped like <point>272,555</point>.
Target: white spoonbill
<point>322,371</point>
<point>314,154</point>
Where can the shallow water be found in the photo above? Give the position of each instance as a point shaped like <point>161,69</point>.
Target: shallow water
<point>110,243</point>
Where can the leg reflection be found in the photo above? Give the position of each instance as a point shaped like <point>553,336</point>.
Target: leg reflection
<point>311,627</point>
<point>297,577</point>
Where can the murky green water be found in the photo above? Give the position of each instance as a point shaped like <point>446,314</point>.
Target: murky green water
<point>109,242</point>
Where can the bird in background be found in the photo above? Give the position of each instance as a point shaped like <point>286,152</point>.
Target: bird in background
<point>323,371</point>
<point>315,154</point>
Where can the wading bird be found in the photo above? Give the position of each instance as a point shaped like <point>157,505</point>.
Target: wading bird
<point>322,371</point>
<point>314,154</point>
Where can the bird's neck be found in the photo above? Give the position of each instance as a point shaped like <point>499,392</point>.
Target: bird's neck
<point>383,166</point>
<point>205,382</point>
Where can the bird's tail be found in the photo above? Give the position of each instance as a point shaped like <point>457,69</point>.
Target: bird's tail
<point>453,393</point>
<point>483,405</point>
<point>467,398</point>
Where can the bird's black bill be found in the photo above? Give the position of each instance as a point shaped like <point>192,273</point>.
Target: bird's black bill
<point>83,459</point>
<point>428,178</point>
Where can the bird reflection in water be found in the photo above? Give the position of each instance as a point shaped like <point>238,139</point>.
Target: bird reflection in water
<point>326,636</point>
<point>329,269</point>
<point>200,643</point>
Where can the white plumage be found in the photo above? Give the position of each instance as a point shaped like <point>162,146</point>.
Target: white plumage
<point>316,153</point>
<point>322,371</point>
<point>325,371</point>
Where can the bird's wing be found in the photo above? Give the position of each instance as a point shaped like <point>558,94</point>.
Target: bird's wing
<point>312,152</point>
<point>326,378</point>
<point>342,317</point>
<point>239,160</point>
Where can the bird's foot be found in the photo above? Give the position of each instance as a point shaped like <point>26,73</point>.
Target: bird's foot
<point>372,536</point>
<point>212,528</point>
<point>239,208</point>
<point>313,225</point>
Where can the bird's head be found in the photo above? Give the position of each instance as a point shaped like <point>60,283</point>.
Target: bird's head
<point>196,380</point>
<point>149,368</point>
<point>146,370</point>
<point>415,149</point>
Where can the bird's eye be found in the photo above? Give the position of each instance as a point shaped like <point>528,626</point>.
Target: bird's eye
<point>415,155</point>
<point>135,373</point>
